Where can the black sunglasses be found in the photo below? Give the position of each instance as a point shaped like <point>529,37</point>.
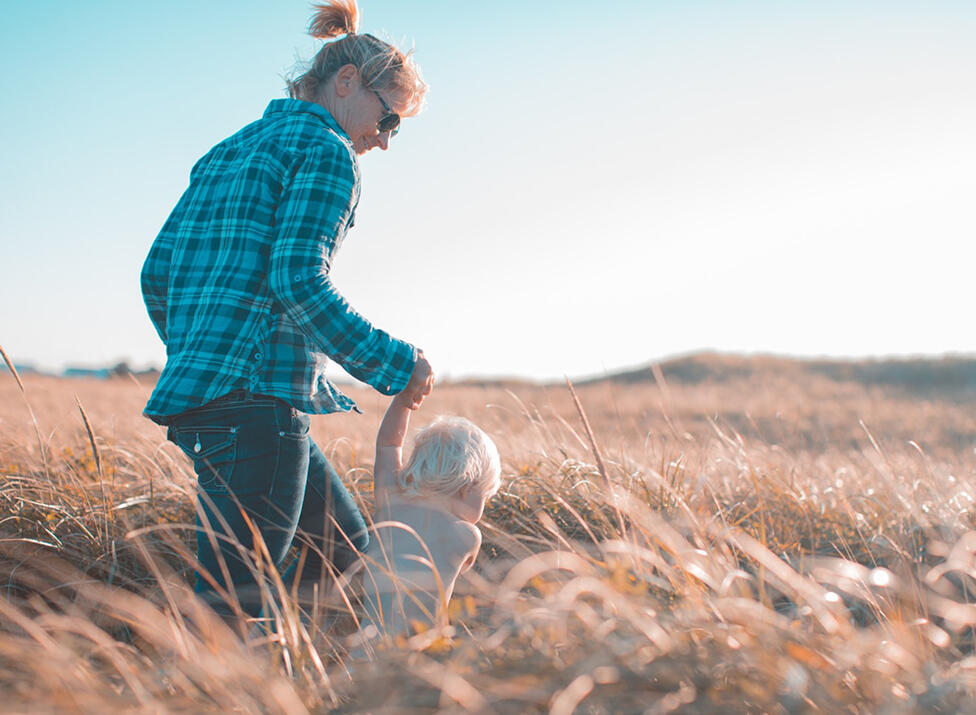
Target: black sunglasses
<point>389,122</point>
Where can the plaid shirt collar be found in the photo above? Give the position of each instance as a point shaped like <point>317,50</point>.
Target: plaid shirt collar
<point>289,106</point>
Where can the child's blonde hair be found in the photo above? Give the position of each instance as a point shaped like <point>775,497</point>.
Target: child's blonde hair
<point>448,455</point>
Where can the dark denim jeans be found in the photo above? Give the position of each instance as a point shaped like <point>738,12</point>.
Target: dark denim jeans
<point>252,455</point>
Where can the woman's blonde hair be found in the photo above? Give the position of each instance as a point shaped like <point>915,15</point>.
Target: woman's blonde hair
<point>448,455</point>
<point>381,65</point>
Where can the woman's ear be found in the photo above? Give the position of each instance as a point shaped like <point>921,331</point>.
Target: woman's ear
<point>346,80</point>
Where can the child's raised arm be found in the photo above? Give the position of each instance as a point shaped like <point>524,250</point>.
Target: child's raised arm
<point>393,429</point>
<point>389,446</point>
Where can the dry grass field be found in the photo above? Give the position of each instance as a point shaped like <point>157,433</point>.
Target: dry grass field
<point>766,537</point>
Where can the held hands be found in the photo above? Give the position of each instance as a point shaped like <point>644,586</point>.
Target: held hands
<point>420,385</point>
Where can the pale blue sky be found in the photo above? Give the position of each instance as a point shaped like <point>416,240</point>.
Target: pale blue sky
<point>592,186</point>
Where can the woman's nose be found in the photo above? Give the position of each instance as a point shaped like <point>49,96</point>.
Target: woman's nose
<point>383,140</point>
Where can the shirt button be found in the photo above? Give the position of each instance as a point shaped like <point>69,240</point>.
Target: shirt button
<point>258,356</point>
<point>298,279</point>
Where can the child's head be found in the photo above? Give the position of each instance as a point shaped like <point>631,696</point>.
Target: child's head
<point>452,458</point>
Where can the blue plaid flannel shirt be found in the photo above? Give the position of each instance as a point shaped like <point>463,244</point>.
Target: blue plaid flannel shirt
<point>237,281</point>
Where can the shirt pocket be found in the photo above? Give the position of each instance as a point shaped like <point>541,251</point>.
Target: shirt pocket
<point>213,451</point>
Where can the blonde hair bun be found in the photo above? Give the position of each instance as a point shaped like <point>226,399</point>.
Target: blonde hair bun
<point>338,17</point>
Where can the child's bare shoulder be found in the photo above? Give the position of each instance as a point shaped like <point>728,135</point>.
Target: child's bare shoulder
<point>468,534</point>
<point>458,537</point>
<point>467,542</point>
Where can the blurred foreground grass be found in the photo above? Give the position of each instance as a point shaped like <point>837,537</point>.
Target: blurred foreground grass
<point>777,542</point>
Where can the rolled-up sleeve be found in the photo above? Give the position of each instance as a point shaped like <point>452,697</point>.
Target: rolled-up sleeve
<point>317,201</point>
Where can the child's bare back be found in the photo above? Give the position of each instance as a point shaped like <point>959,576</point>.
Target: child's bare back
<point>413,560</point>
<point>424,533</point>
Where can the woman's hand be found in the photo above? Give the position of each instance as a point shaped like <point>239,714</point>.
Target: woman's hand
<point>420,385</point>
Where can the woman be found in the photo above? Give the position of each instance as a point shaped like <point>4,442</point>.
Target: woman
<point>237,285</point>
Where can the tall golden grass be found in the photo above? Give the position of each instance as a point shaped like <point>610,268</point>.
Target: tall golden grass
<point>775,542</point>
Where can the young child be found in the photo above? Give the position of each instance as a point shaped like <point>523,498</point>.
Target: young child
<point>424,532</point>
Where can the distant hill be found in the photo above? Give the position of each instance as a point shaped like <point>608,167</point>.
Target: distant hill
<point>952,377</point>
<point>121,369</point>
<point>947,378</point>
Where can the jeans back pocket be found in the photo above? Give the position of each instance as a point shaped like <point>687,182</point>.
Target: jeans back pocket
<point>214,454</point>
